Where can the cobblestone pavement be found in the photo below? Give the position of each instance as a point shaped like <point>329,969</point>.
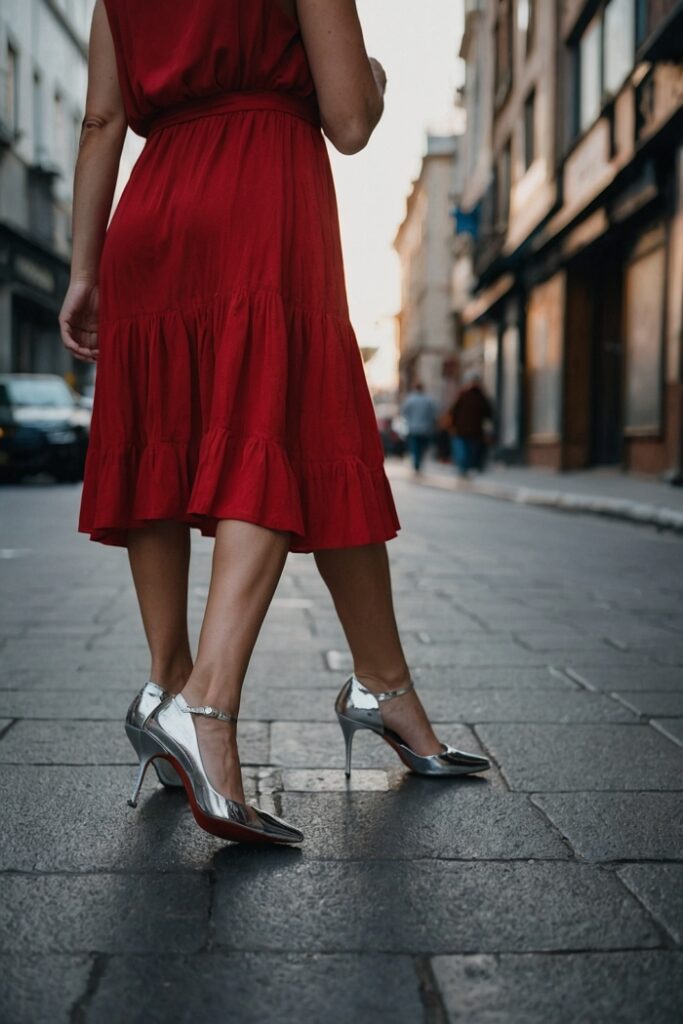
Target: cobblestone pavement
<point>550,891</point>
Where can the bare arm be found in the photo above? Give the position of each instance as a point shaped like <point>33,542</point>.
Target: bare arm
<point>101,142</point>
<point>349,84</point>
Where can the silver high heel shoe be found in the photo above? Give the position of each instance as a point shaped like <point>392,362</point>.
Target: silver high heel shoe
<point>147,701</point>
<point>169,735</point>
<point>358,708</point>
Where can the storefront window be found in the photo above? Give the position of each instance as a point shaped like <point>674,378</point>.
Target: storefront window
<point>619,42</point>
<point>544,358</point>
<point>530,130</point>
<point>590,75</point>
<point>11,111</point>
<point>644,308</point>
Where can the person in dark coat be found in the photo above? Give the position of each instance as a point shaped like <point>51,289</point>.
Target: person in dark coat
<point>468,414</point>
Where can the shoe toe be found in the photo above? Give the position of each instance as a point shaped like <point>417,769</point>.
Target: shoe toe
<point>278,829</point>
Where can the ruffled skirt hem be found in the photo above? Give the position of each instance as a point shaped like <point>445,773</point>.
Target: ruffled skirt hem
<point>336,503</point>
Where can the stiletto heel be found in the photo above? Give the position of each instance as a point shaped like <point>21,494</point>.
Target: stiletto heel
<point>169,733</point>
<point>133,799</point>
<point>348,728</point>
<point>149,753</point>
<point>147,700</point>
<point>358,708</point>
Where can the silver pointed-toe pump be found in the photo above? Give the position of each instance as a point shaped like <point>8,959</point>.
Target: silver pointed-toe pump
<point>358,708</point>
<point>169,734</point>
<point>148,700</point>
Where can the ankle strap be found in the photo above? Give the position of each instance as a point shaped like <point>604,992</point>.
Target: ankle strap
<point>387,694</point>
<point>390,694</point>
<point>209,712</point>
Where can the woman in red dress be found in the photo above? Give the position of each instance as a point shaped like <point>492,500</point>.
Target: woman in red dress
<point>230,389</point>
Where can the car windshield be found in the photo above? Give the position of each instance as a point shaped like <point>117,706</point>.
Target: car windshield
<point>46,393</point>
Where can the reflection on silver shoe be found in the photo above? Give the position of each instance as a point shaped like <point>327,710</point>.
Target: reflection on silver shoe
<point>169,733</point>
<point>358,708</point>
<point>148,699</point>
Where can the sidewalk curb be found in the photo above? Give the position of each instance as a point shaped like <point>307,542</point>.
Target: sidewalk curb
<point>611,508</point>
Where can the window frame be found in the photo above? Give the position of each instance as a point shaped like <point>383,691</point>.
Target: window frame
<point>530,109</point>
<point>639,16</point>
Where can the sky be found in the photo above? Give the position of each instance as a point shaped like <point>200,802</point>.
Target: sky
<point>417,41</point>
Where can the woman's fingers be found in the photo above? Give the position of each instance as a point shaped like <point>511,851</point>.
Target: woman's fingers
<point>83,343</point>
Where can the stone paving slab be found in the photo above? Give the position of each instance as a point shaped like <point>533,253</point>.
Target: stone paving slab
<point>424,819</point>
<point>284,902</point>
<point>506,705</point>
<point>580,757</point>
<point>632,678</point>
<point>76,819</point>
<point>333,780</point>
<point>308,745</point>
<point>92,703</point>
<point>258,989</point>
<point>667,704</point>
<point>618,826</point>
<point>595,988</point>
<point>40,989</point>
<point>103,913</point>
<point>659,887</point>
<point>503,677</point>
<point>73,742</point>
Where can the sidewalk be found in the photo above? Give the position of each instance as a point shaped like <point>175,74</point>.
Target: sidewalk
<point>608,493</point>
<point>549,891</point>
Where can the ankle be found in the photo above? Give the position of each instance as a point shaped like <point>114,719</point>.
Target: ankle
<point>378,682</point>
<point>200,690</point>
<point>171,675</point>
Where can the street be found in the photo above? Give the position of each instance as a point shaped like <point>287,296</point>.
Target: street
<point>548,891</point>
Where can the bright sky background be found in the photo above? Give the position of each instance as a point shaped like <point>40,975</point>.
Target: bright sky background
<point>417,41</point>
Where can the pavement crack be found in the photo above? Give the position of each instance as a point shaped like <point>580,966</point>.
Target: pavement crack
<point>5,729</point>
<point>80,1008</point>
<point>430,996</point>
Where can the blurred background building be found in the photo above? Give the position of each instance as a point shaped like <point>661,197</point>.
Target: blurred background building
<point>43,67</point>
<point>424,246</point>
<point>566,263</point>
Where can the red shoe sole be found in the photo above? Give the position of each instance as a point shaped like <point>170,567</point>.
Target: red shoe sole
<point>222,829</point>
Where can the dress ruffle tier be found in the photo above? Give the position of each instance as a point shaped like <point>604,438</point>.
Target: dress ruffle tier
<point>244,406</point>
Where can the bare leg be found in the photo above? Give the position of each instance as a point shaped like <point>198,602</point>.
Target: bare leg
<point>159,556</point>
<point>360,583</point>
<point>247,563</point>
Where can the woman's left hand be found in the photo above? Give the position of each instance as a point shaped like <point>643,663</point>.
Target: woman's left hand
<point>78,320</point>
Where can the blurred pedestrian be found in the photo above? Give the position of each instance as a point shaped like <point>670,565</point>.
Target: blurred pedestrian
<point>230,389</point>
<point>420,413</point>
<point>469,413</point>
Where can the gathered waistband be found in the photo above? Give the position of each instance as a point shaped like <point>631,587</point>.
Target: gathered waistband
<point>234,102</point>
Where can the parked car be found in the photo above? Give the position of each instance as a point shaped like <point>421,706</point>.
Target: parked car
<point>42,427</point>
<point>392,429</point>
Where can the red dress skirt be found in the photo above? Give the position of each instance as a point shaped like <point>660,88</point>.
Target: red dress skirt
<point>229,383</point>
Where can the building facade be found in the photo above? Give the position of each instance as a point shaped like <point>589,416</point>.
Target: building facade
<point>43,74</point>
<point>573,212</point>
<point>426,336</point>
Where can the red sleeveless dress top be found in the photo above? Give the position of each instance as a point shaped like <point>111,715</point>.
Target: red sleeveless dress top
<point>229,382</point>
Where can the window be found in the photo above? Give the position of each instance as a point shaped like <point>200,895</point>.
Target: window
<point>530,130</point>
<point>503,184</point>
<point>604,57</point>
<point>60,132</point>
<point>38,119</point>
<point>590,75</point>
<point>619,42</point>
<point>11,104</point>
<point>503,51</point>
<point>526,22</point>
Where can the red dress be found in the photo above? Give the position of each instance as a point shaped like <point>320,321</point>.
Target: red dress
<point>230,384</point>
